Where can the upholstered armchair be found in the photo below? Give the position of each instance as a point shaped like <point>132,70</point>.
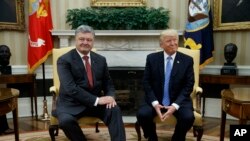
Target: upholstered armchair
<point>53,127</point>
<point>195,95</point>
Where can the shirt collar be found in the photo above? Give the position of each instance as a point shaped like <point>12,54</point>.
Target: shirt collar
<point>81,55</point>
<point>166,55</point>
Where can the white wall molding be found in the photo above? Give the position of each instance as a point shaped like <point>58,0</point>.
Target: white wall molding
<point>210,69</point>
<point>22,69</point>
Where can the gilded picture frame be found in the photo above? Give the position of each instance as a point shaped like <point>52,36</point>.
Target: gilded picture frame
<point>231,15</point>
<point>118,3</point>
<point>12,15</point>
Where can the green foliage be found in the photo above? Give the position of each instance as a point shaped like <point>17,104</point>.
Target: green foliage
<point>129,18</point>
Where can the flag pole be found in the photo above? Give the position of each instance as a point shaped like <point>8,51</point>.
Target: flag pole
<point>40,42</point>
<point>45,115</point>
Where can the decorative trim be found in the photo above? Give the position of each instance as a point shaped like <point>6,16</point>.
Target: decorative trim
<point>104,36</point>
<point>120,3</point>
<point>62,33</point>
<point>22,69</point>
<point>209,69</point>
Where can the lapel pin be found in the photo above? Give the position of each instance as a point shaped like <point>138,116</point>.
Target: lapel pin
<point>178,62</point>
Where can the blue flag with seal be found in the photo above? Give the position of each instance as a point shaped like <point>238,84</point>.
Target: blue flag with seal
<point>199,30</point>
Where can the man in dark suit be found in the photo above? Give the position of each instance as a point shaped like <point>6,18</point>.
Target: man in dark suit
<point>83,95</point>
<point>180,86</point>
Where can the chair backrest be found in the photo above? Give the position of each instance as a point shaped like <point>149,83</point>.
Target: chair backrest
<point>195,54</point>
<point>56,53</point>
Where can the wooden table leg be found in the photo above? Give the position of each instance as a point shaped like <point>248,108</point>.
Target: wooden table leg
<point>33,98</point>
<point>222,125</point>
<point>36,107</point>
<point>204,104</point>
<point>33,90</point>
<point>15,121</point>
<point>31,101</point>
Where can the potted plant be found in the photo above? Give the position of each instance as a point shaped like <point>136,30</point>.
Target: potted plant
<point>129,18</point>
<point>156,18</point>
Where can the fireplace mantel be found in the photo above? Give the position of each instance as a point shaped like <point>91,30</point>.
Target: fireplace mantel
<point>66,35</point>
<point>111,32</point>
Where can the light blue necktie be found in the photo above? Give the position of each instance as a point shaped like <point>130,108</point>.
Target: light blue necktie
<point>166,99</point>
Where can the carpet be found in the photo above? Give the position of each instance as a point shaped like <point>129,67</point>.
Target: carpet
<point>103,135</point>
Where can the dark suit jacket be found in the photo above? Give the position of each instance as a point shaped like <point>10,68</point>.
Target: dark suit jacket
<point>74,94</point>
<point>181,79</point>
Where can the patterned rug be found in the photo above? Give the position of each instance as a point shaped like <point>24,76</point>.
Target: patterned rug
<point>103,135</point>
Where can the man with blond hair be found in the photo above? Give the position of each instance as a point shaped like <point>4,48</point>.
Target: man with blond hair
<point>168,82</point>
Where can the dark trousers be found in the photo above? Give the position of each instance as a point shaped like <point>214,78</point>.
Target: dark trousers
<point>3,124</point>
<point>185,119</point>
<point>111,117</point>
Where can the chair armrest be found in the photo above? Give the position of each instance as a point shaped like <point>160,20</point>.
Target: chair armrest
<point>198,92</point>
<point>53,91</point>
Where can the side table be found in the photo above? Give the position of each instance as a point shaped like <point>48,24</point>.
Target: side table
<point>235,102</point>
<point>28,80</point>
<point>222,79</point>
<point>8,103</point>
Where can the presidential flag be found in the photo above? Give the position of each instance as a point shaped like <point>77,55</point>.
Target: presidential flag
<point>199,30</point>
<point>40,43</point>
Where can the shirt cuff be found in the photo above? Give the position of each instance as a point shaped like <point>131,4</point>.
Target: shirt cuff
<point>176,106</point>
<point>155,103</point>
<point>96,101</point>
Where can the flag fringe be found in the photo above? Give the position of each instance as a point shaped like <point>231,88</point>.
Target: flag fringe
<point>39,62</point>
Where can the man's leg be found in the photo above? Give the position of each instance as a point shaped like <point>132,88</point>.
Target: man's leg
<point>185,120</point>
<point>113,119</point>
<point>145,116</point>
<point>70,127</point>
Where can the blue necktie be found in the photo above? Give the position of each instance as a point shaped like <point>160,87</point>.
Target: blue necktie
<point>166,99</point>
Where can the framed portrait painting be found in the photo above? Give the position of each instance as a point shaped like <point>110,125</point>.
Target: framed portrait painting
<point>118,3</point>
<point>231,14</point>
<point>12,15</point>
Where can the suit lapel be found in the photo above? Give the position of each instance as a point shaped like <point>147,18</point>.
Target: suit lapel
<point>176,65</point>
<point>79,63</point>
<point>93,65</point>
<point>161,66</point>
